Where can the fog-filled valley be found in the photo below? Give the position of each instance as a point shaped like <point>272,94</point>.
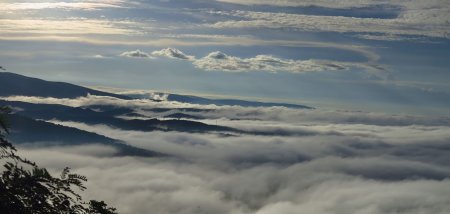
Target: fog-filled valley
<point>145,153</point>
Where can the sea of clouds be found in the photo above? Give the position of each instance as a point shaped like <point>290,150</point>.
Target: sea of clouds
<point>321,162</point>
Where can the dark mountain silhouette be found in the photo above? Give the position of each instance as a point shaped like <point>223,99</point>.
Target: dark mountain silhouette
<point>219,102</point>
<point>15,84</point>
<point>27,130</point>
<point>160,110</point>
<point>222,102</point>
<point>183,115</point>
<point>108,117</point>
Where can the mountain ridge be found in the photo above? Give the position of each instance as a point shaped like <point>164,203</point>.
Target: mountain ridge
<point>12,84</point>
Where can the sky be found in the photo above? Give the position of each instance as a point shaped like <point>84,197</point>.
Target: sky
<point>376,72</point>
<point>383,56</point>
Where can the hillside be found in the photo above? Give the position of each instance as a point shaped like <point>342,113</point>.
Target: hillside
<point>15,84</point>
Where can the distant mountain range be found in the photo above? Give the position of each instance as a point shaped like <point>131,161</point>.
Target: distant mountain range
<point>15,84</point>
<point>27,130</point>
<point>231,102</point>
<point>28,122</point>
<point>220,102</point>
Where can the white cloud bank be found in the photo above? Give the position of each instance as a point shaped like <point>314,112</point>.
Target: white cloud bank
<point>219,61</point>
<point>139,186</point>
<point>350,162</point>
<point>250,174</point>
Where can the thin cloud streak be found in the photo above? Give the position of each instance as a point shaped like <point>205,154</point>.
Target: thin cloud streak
<point>430,23</point>
<point>86,5</point>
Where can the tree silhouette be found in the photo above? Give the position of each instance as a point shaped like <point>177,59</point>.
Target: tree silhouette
<point>26,188</point>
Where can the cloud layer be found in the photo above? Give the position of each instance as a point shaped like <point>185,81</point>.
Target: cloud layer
<point>332,162</point>
<point>212,174</point>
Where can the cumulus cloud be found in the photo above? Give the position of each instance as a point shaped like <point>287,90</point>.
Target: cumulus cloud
<point>172,53</point>
<point>221,62</point>
<point>137,53</point>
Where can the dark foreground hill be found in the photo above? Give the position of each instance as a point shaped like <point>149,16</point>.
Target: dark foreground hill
<point>91,117</point>
<point>30,126</point>
<point>27,130</point>
<point>15,84</point>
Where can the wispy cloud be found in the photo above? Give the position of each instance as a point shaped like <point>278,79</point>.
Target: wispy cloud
<point>429,22</point>
<point>66,27</point>
<point>137,53</point>
<point>78,5</point>
<point>296,3</point>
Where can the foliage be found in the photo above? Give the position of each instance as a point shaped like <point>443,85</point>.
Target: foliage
<point>27,188</point>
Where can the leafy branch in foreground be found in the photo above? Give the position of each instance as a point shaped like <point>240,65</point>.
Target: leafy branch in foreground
<point>27,188</point>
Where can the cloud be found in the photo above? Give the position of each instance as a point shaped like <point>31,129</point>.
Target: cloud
<point>249,174</point>
<point>98,56</point>
<point>219,61</point>
<point>238,114</point>
<point>172,53</point>
<point>387,37</point>
<point>66,27</point>
<point>353,162</point>
<point>427,22</point>
<point>296,3</point>
<point>414,143</point>
<point>83,5</point>
<point>137,53</point>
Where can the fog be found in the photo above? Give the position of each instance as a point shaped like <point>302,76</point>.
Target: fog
<point>325,162</point>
